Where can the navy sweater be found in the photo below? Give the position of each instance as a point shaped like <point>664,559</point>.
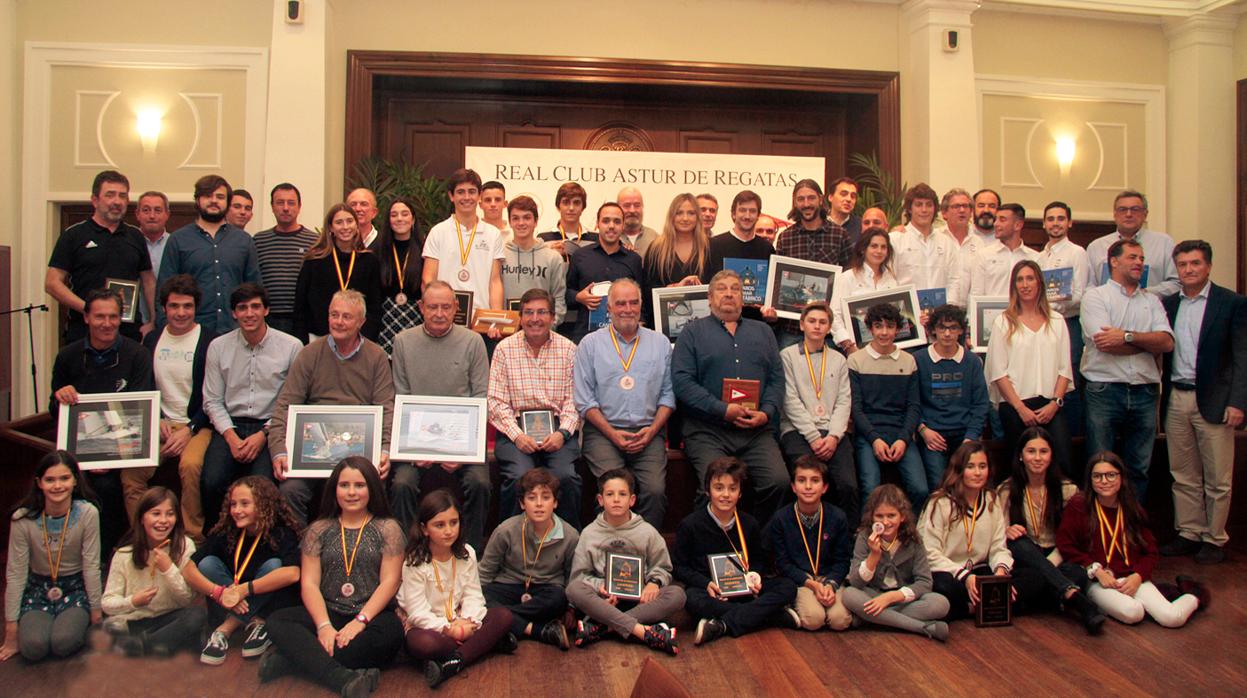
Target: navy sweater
<point>885,395</point>
<point>700,535</point>
<point>954,395</point>
<point>833,550</point>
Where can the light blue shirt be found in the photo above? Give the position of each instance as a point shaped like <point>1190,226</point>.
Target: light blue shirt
<point>1186,328</point>
<point>599,368</point>
<point>241,380</point>
<point>1162,273</point>
<point>333,346</point>
<point>1111,306</point>
<point>156,251</point>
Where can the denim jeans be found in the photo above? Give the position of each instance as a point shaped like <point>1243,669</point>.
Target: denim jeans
<point>1119,413</point>
<point>913,475</point>
<point>935,462</point>
<point>215,569</point>
<point>513,463</point>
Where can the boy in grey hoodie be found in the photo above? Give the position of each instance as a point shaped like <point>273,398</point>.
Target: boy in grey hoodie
<point>529,262</point>
<point>618,530</point>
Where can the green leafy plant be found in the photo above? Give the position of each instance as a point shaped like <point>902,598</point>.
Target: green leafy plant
<point>877,188</point>
<point>391,180</point>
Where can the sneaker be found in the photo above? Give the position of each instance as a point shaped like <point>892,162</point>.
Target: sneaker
<point>361,684</point>
<point>257,640</point>
<point>790,618</point>
<point>273,665</point>
<point>553,633</point>
<point>589,631</point>
<point>1189,585</point>
<point>1180,546</point>
<point>507,644</point>
<point>214,652</point>
<point>437,672</point>
<point>661,636</point>
<point>1210,554</point>
<point>709,630</point>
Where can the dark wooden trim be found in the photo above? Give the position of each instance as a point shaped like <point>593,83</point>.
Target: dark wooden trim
<point>364,67</point>
<point>1241,196</point>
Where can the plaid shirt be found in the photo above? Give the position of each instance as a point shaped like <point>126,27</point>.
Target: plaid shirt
<point>829,244</point>
<point>518,381</point>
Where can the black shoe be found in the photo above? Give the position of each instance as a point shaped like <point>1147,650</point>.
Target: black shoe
<point>361,684</point>
<point>130,645</point>
<point>273,665</point>
<point>661,637</point>
<point>589,631</point>
<point>1092,618</point>
<point>553,633</point>
<point>1180,546</point>
<point>1210,554</point>
<point>507,644</point>
<point>437,672</point>
<point>790,618</point>
<point>709,630</point>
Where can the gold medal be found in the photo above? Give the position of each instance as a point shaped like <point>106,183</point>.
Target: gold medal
<point>343,282</point>
<point>627,382</point>
<point>464,276</point>
<point>401,299</point>
<point>230,597</point>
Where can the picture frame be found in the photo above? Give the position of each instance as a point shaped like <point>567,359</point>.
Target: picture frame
<point>982,312</point>
<point>911,333</point>
<point>625,575</point>
<point>437,428</point>
<point>729,574</point>
<point>106,431</point>
<point>676,306</point>
<point>129,291</point>
<point>319,436</point>
<point>538,424</point>
<point>463,307</point>
<point>793,283</point>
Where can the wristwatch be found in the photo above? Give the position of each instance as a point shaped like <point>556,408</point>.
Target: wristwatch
<point>361,618</point>
<point>1129,338</point>
<point>1060,402</point>
<point>567,435</point>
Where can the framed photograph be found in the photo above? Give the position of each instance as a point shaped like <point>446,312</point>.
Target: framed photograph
<point>728,572</point>
<point>676,307</point>
<point>995,603</point>
<point>443,429</point>
<point>983,311</point>
<point>793,283</point>
<point>911,333</point>
<point>112,430</point>
<point>463,307</point>
<point>129,291</point>
<point>624,575</point>
<point>537,424</point>
<point>318,436</point>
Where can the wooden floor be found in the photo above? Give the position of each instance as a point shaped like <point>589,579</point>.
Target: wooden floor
<point>1044,655</point>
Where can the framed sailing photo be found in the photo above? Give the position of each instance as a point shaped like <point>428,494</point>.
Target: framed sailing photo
<point>983,311</point>
<point>677,306</point>
<point>441,429</point>
<point>319,436</point>
<point>112,430</point>
<point>792,284</point>
<point>911,333</point>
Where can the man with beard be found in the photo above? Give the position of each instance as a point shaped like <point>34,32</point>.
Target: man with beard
<point>623,393</point>
<point>842,199</point>
<point>363,203</point>
<point>1061,253</point>
<point>986,202</point>
<point>219,256</point>
<point>636,236</point>
<point>1160,275</point>
<point>812,238</point>
<point>992,266</point>
<point>717,348</point>
<point>102,247</point>
<point>766,229</point>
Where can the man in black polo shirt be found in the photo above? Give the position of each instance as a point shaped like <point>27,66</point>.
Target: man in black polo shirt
<point>741,242</point>
<point>604,260</point>
<point>103,247</point>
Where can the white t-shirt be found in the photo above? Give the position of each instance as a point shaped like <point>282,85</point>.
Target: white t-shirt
<point>173,362</point>
<point>443,244</point>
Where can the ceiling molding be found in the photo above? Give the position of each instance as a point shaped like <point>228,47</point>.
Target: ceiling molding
<point>1144,11</point>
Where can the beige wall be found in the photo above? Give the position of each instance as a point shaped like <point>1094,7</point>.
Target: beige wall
<point>1240,50</point>
<point>165,22</point>
<point>1010,43</point>
<point>836,35</point>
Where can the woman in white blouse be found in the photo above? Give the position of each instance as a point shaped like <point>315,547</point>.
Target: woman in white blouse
<point>871,270</point>
<point>445,619</point>
<point>1028,365</point>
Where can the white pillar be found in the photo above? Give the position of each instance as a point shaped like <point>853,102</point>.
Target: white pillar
<point>939,119</point>
<point>294,143</point>
<point>1201,133</point>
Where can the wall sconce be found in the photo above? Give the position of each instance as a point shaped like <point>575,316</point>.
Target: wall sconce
<point>148,126</point>
<point>1065,150</point>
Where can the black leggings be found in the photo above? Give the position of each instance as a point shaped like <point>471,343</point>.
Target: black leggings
<point>294,635</point>
<point>1040,585</point>
<point>175,629</point>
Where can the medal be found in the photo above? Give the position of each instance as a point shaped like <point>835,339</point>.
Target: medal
<point>54,594</point>
<point>401,299</point>
<point>877,528</point>
<point>753,579</point>
<point>526,597</point>
<point>348,590</point>
<point>627,382</point>
<point>1109,545</point>
<point>820,411</point>
<point>450,593</point>
<point>817,556</point>
<point>343,282</point>
<point>464,250</point>
<point>230,597</point>
<point>464,276</point>
<point>528,576</point>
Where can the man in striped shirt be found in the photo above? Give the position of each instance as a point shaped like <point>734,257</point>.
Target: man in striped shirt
<point>281,250</point>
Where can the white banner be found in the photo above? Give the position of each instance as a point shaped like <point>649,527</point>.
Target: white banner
<point>660,177</point>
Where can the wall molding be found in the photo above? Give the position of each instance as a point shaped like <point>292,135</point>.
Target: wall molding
<point>1150,97</point>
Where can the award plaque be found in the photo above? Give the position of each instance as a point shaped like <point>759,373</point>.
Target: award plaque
<point>463,307</point>
<point>624,575</point>
<point>995,601</point>
<point>507,321</point>
<point>729,574</point>
<point>537,424</point>
<point>743,391</point>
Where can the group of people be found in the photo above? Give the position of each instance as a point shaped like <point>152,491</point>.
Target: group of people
<point>242,328</point>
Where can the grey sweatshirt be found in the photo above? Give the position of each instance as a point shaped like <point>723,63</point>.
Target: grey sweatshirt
<point>537,267</point>
<point>504,555</point>
<point>800,401</point>
<point>635,537</point>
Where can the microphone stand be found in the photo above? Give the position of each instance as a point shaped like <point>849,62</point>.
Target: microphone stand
<point>30,331</point>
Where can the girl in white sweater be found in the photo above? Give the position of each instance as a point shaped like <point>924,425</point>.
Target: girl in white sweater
<point>146,598</point>
<point>963,528</point>
<point>444,612</point>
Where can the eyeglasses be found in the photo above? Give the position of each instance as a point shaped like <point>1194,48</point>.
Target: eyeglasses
<point>1130,209</point>
<point>947,328</point>
<point>1110,476</point>
<point>539,312</point>
<point>959,207</point>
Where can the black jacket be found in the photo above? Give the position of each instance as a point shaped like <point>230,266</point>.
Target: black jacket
<point>195,406</point>
<point>1221,360</point>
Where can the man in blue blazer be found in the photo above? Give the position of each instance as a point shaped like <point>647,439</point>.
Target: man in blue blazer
<point>1204,398</point>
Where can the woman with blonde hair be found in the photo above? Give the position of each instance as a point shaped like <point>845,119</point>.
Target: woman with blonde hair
<point>680,256</point>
